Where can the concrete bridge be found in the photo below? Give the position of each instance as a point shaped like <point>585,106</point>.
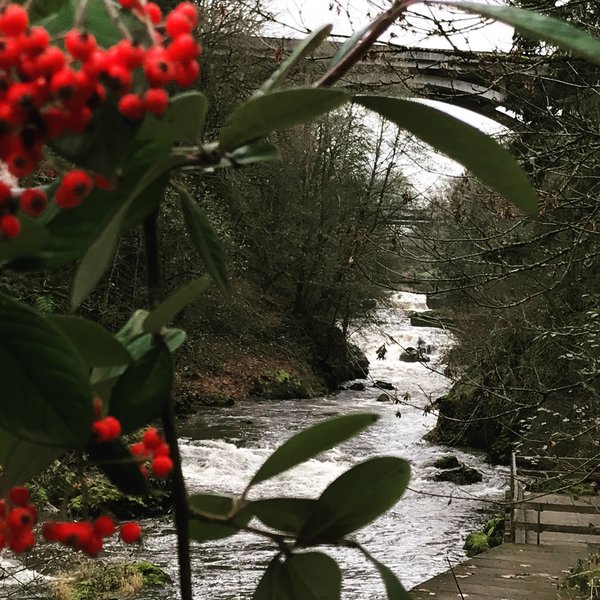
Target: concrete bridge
<point>477,81</point>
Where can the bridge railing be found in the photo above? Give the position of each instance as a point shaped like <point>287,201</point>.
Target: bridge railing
<point>550,513</point>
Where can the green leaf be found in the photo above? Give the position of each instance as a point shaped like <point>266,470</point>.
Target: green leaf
<point>282,109</point>
<point>105,147</point>
<point>312,441</point>
<point>394,589</point>
<point>182,122</point>
<point>143,389</point>
<point>540,27</point>
<point>32,239</point>
<point>98,255</point>
<point>356,498</point>
<point>166,311</point>
<point>217,507</point>
<point>254,153</point>
<point>478,152</point>
<point>314,576</point>
<point>284,514</point>
<point>46,396</point>
<point>274,584</point>
<point>20,461</point>
<point>205,240</point>
<point>115,460</point>
<point>96,346</point>
<point>303,49</point>
<point>306,576</point>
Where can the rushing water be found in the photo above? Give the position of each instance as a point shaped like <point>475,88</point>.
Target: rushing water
<point>222,448</point>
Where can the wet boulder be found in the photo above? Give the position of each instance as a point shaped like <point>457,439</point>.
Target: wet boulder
<point>409,354</point>
<point>383,398</point>
<point>357,386</point>
<point>449,461</point>
<point>462,475</point>
<point>383,385</point>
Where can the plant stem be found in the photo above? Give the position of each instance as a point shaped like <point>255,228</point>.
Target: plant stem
<point>168,420</point>
<point>359,51</point>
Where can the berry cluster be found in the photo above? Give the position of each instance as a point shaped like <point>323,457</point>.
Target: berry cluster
<point>52,87</point>
<point>153,448</point>
<point>18,517</point>
<point>89,536</point>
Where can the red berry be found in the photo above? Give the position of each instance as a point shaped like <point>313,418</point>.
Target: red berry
<point>156,101</point>
<point>106,429</point>
<point>159,70</point>
<point>80,44</point>
<point>189,10</point>
<point>131,532</point>
<point>51,531</point>
<point>129,54</point>
<point>2,510</point>
<point>119,78</point>
<point>34,202</point>
<point>19,496</point>
<point>183,48</point>
<point>139,450</point>
<point>73,189</point>
<point>162,450</point>
<point>131,106</point>
<point>19,164</point>
<point>104,526</point>
<point>10,226</point>
<point>128,4</point>
<point>14,20</point>
<point>93,547</point>
<point>186,73</point>
<point>152,438</point>
<point>5,193</point>
<point>154,13</point>
<point>19,518</point>
<point>35,41</point>
<point>177,24</point>
<point>22,542</point>
<point>161,466</point>
<point>50,61</point>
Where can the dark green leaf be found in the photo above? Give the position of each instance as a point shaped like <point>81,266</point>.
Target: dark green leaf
<point>274,584</point>
<point>105,147</point>
<point>98,255</point>
<point>32,239</point>
<point>182,122</point>
<point>478,152</point>
<point>303,49</point>
<point>205,240</point>
<point>261,115</point>
<point>313,441</point>
<point>254,153</point>
<point>46,395</point>
<point>21,460</point>
<point>202,529</point>
<point>117,463</point>
<point>540,27</point>
<point>395,590</point>
<point>314,576</point>
<point>284,514</point>
<point>166,311</point>
<point>356,498</point>
<point>143,389</point>
<point>96,346</point>
<point>307,576</point>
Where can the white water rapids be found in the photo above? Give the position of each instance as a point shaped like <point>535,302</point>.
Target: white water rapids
<point>222,448</point>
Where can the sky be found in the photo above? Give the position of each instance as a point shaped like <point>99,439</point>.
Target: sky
<point>297,16</point>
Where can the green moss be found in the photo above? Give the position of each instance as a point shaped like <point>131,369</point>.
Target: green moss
<point>476,543</point>
<point>492,535</point>
<point>282,385</point>
<point>152,575</point>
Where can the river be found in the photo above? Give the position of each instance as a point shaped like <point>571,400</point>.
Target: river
<point>222,448</point>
